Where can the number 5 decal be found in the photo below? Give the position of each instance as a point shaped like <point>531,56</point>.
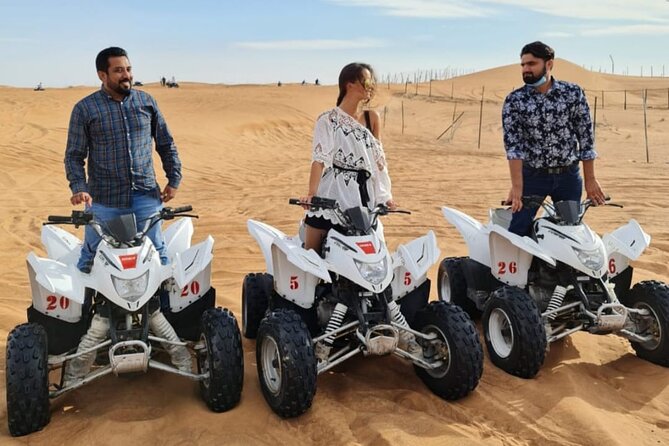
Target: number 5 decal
<point>407,278</point>
<point>294,284</point>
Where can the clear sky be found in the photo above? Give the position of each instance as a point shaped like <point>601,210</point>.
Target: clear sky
<point>254,41</point>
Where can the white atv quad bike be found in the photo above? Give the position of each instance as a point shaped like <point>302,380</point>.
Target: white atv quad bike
<point>310,313</point>
<point>112,316</point>
<point>563,279</point>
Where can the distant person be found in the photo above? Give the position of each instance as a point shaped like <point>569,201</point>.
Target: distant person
<point>278,84</point>
<point>547,131</point>
<point>111,132</point>
<point>316,83</point>
<point>304,82</point>
<point>163,81</point>
<point>349,164</point>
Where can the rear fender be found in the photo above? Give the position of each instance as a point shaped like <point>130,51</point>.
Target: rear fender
<point>189,263</point>
<point>58,242</point>
<point>411,263</point>
<point>473,233</point>
<point>623,245</point>
<point>178,236</point>
<point>56,287</point>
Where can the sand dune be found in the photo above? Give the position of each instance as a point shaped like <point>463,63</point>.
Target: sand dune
<point>246,150</point>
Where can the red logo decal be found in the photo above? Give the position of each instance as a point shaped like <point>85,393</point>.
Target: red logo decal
<point>128,261</point>
<point>367,247</point>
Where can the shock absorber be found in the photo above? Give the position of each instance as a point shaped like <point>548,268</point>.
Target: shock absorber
<point>335,321</point>
<point>408,339</point>
<point>556,300</point>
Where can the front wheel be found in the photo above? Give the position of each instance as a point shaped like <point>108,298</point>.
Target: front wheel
<point>223,359</point>
<point>27,379</point>
<point>456,345</point>
<point>286,363</point>
<point>514,334</point>
<point>652,296</point>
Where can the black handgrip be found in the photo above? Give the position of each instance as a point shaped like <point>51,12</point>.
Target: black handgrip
<point>181,209</point>
<point>294,201</point>
<point>59,219</point>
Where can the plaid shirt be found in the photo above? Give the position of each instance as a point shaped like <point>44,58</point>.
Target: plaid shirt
<point>548,130</point>
<point>116,137</point>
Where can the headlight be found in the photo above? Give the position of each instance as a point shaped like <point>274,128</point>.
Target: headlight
<point>593,260</point>
<point>131,289</point>
<point>373,272</point>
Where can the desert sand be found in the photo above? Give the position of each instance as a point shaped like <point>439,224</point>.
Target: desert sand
<point>245,151</point>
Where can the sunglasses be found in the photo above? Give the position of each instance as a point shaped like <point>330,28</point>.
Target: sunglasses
<point>368,84</point>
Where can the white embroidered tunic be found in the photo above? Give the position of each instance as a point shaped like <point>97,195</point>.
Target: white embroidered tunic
<point>346,148</point>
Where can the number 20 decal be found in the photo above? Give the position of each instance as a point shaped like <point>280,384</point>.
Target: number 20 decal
<point>54,302</point>
<point>513,268</point>
<point>193,288</point>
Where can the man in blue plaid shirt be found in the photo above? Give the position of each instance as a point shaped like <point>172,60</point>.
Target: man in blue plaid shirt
<point>111,133</point>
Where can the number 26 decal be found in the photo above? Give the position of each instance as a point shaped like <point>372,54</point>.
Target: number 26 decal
<point>502,268</point>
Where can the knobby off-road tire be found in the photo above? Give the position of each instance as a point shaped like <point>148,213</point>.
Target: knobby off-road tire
<point>652,295</point>
<point>256,291</point>
<point>514,332</point>
<point>463,362</point>
<point>286,363</point>
<point>27,382</point>
<point>452,285</point>
<point>223,359</point>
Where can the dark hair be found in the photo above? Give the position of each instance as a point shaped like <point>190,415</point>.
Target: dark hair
<point>538,49</point>
<point>352,73</point>
<point>102,61</point>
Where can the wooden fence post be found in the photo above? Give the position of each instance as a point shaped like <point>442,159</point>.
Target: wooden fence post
<point>645,124</point>
<point>481,116</point>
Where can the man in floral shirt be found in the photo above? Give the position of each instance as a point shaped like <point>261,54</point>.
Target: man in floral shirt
<point>547,131</point>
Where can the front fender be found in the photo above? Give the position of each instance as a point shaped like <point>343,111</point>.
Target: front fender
<point>418,255</point>
<point>307,261</point>
<point>191,262</point>
<point>629,240</point>
<point>59,278</point>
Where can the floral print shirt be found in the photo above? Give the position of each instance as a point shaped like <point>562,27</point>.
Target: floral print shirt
<point>548,130</point>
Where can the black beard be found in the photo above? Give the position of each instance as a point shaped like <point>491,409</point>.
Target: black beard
<point>531,78</point>
<point>122,90</point>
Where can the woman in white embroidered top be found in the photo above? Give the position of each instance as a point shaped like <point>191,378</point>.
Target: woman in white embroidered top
<point>349,164</point>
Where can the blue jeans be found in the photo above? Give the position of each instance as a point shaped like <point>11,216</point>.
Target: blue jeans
<point>560,187</point>
<point>144,204</point>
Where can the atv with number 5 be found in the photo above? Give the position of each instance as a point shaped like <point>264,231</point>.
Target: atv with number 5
<point>310,313</point>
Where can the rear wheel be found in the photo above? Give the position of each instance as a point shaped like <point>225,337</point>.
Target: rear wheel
<point>223,359</point>
<point>514,334</point>
<point>652,296</point>
<point>256,291</point>
<point>456,345</point>
<point>286,363</point>
<point>27,381</point>
<point>452,285</point>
